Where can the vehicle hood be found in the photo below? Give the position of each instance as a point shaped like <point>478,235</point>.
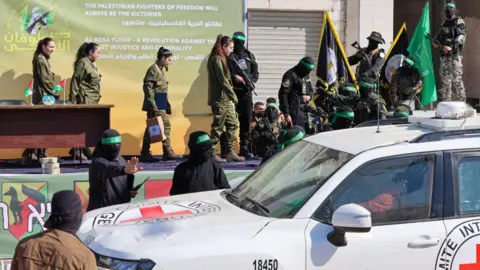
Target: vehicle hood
<point>135,230</point>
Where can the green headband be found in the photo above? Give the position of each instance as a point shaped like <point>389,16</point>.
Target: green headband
<point>452,5</point>
<point>409,61</point>
<point>349,88</point>
<point>349,115</point>
<point>239,37</point>
<point>310,66</point>
<point>368,85</point>
<point>402,115</point>
<point>112,140</point>
<point>203,138</point>
<point>297,137</point>
<point>274,106</point>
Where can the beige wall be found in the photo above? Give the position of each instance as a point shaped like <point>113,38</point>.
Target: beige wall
<point>353,19</point>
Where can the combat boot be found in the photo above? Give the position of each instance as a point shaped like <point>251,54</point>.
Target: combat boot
<point>147,158</point>
<point>233,157</point>
<point>245,153</point>
<point>77,154</point>
<point>217,158</point>
<point>30,155</point>
<point>168,153</point>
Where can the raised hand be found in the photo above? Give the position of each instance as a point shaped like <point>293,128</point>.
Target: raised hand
<point>132,166</point>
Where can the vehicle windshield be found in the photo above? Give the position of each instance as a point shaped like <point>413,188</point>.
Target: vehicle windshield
<point>282,185</point>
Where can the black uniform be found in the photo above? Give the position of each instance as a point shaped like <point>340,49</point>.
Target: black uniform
<point>296,84</point>
<point>246,61</point>
<point>109,184</point>
<point>200,172</point>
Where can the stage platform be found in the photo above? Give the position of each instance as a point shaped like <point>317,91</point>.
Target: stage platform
<point>67,165</point>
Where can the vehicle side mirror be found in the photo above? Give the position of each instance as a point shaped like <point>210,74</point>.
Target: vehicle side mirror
<point>351,218</point>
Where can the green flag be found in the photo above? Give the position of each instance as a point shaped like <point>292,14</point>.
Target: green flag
<point>419,48</point>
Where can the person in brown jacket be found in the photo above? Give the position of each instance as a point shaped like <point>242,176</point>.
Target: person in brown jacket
<point>43,83</point>
<point>222,99</point>
<point>58,247</point>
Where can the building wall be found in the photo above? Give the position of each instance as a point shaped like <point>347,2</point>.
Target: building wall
<point>410,12</point>
<point>353,19</point>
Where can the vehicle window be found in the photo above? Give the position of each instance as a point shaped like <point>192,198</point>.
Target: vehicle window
<point>286,181</point>
<point>469,185</point>
<point>393,190</point>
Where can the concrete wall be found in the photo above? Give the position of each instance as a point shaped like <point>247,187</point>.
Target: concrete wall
<point>354,19</point>
<point>365,16</point>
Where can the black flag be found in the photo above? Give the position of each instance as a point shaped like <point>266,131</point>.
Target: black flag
<point>393,60</point>
<point>333,69</point>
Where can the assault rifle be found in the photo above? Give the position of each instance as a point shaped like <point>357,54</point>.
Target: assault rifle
<point>363,52</point>
<point>248,82</point>
<point>429,37</point>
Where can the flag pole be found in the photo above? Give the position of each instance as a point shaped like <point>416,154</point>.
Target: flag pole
<point>64,90</point>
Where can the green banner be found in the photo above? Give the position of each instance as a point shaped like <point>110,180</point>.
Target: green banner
<point>25,199</point>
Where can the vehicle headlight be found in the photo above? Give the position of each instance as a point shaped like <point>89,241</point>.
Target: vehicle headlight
<point>121,264</point>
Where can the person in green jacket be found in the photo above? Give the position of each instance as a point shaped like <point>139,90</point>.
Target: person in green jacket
<point>222,99</point>
<point>85,85</point>
<point>43,83</point>
<point>155,103</point>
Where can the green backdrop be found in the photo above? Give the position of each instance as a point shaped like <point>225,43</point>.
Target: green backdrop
<point>24,199</point>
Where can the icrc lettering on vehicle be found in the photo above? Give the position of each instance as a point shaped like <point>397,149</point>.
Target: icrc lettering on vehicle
<point>316,206</point>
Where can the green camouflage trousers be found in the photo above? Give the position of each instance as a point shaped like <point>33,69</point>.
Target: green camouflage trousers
<point>225,119</point>
<point>166,125</point>
<point>451,72</point>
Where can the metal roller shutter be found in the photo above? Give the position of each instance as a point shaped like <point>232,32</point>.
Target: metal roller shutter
<point>279,39</point>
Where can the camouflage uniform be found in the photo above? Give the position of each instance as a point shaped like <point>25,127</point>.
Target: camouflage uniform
<point>155,81</point>
<point>222,100</point>
<point>43,84</point>
<point>84,89</point>
<point>452,34</point>
<point>370,60</point>
<point>85,83</point>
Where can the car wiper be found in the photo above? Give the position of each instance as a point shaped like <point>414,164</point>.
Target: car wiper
<point>260,206</point>
<point>229,194</point>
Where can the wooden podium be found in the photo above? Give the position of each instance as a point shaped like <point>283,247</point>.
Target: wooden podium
<point>55,126</point>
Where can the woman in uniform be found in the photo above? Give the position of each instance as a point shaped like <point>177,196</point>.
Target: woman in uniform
<point>43,83</point>
<point>85,85</point>
<point>155,103</point>
<point>222,99</point>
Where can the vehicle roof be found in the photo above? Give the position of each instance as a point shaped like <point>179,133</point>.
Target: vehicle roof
<point>356,140</point>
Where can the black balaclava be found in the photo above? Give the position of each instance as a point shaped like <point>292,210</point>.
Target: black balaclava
<point>272,112</point>
<point>109,146</point>
<point>348,90</point>
<point>450,10</point>
<point>304,67</point>
<point>66,214</point>
<point>367,86</point>
<point>200,146</point>
<point>343,118</point>
<point>372,45</point>
<point>408,66</point>
<point>239,42</point>
<point>290,136</point>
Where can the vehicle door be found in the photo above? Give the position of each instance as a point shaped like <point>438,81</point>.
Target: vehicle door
<point>404,195</point>
<point>461,250</point>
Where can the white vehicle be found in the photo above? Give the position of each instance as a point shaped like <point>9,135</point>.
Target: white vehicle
<point>407,197</point>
